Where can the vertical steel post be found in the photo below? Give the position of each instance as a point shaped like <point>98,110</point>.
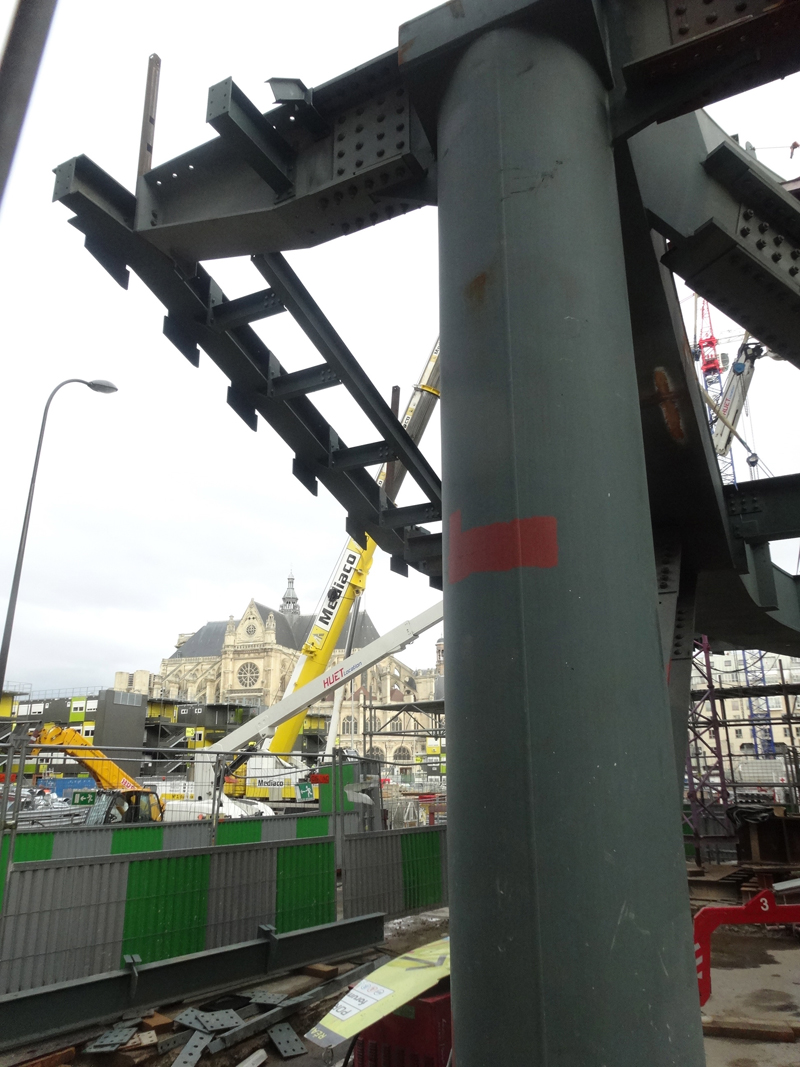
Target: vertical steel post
<point>572,942</point>
<point>149,115</point>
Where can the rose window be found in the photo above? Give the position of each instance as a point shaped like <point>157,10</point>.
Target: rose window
<point>247,675</point>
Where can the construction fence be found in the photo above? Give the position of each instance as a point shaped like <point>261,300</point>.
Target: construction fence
<point>75,916</point>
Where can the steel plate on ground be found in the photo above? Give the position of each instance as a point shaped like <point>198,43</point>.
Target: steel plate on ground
<point>224,1019</point>
<point>192,1050</point>
<point>286,1041</point>
<point>194,1018</point>
<point>111,1040</point>
<point>263,996</point>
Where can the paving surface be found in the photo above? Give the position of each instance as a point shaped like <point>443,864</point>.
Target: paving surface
<point>753,977</point>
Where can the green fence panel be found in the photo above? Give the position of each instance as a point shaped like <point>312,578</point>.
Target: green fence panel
<point>341,802</point>
<point>3,867</point>
<point>238,832</point>
<point>312,826</point>
<point>137,839</point>
<point>422,870</point>
<point>28,847</point>
<point>166,907</point>
<point>306,886</point>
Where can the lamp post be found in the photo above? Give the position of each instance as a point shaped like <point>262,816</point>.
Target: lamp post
<point>99,386</point>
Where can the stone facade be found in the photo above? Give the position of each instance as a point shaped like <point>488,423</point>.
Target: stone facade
<point>249,662</point>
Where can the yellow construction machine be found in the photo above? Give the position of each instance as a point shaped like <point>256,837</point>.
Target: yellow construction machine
<point>120,798</point>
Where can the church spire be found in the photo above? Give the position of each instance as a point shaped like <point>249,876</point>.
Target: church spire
<point>290,605</point>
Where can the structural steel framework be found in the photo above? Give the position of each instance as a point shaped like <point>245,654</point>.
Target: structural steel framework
<point>573,174</point>
<point>706,777</point>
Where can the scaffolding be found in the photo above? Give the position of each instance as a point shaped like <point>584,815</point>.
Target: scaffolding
<point>760,720</point>
<point>707,793</point>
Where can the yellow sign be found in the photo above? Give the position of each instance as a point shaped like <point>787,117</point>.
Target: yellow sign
<point>433,746</point>
<point>386,990</point>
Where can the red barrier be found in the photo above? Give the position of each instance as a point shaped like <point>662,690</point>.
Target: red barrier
<point>761,909</point>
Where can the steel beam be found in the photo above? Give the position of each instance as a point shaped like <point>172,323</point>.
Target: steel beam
<point>294,295</point>
<point>551,578</point>
<point>734,232</point>
<point>64,1006</point>
<point>357,157</point>
<point>766,510</point>
<point>259,384</point>
<point>244,309</point>
<point>250,135</point>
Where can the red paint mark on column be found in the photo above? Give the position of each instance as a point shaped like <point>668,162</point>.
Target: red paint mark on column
<point>501,546</point>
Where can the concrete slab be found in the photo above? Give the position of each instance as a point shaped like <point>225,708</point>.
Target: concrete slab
<point>753,977</point>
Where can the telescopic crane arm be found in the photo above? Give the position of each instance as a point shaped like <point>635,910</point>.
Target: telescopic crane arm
<point>105,772</point>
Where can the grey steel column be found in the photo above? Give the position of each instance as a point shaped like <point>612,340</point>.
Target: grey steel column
<point>572,942</point>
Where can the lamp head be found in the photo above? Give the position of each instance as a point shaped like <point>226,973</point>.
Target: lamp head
<point>101,386</point>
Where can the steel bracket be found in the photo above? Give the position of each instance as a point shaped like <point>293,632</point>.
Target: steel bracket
<point>251,135</point>
<point>132,963</point>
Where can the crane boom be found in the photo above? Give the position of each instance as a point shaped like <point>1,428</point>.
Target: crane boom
<point>105,772</point>
<point>734,395</point>
<point>350,574</point>
<point>329,682</point>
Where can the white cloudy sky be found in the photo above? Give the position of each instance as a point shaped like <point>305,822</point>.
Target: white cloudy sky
<point>156,508</point>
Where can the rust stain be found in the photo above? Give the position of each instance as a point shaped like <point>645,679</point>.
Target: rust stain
<point>667,401</point>
<point>476,290</point>
<point>404,48</point>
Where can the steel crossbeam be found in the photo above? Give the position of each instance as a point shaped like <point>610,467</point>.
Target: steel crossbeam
<point>319,331</point>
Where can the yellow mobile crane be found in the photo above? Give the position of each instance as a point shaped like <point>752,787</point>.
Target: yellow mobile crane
<point>350,575</point>
<point>120,798</point>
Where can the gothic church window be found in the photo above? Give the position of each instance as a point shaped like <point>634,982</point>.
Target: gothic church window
<point>247,675</point>
<point>402,755</point>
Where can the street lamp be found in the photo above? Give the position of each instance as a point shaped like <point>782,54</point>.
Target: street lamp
<point>99,386</point>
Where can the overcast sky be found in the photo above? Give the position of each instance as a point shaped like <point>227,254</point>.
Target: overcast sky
<point>156,508</point>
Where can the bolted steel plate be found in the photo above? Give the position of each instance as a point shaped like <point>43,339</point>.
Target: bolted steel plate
<point>263,996</point>
<point>286,1041</point>
<point>192,1050</point>
<point>113,1039</point>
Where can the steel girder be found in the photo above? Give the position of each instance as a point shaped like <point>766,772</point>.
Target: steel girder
<point>63,1006</point>
<point>734,232</point>
<point>197,310</point>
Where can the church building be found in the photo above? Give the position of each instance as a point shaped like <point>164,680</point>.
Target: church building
<point>249,661</point>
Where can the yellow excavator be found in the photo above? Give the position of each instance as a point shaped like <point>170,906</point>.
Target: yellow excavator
<point>119,798</point>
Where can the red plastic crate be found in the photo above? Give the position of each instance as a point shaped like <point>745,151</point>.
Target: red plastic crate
<point>419,1037</point>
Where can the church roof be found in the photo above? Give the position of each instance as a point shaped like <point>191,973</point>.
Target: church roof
<point>291,631</point>
<point>206,642</point>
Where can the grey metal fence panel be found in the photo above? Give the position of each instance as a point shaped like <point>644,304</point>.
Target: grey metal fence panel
<point>372,874</point>
<point>279,828</point>
<point>82,841</point>
<point>284,827</point>
<point>197,834</point>
<point>241,893</point>
<point>62,921</point>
